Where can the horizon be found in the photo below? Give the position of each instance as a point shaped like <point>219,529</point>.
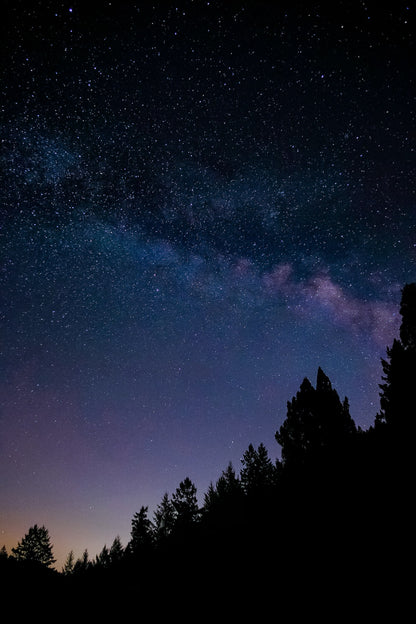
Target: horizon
<point>95,546</point>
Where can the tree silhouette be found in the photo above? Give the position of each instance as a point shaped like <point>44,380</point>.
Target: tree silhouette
<point>185,504</point>
<point>3,552</point>
<point>141,531</point>
<point>82,564</point>
<point>35,547</point>
<point>116,550</point>
<point>316,421</point>
<point>390,450</point>
<point>164,518</point>
<point>301,511</point>
<point>397,400</point>
<point>103,558</point>
<point>228,485</point>
<point>225,494</point>
<point>258,472</point>
<point>210,498</point>
<point>68,566</point>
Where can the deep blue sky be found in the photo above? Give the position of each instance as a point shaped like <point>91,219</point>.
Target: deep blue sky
<point>201,203</point>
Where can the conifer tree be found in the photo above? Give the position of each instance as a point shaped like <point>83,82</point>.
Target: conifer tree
<point>68,566</point>
<point>210,498</point>
<point>258,472</point>
<point>141,531</point>
<point>116,550</point>
<point>316,421</point>
<point>35,546</point>
<point>185,503</point>
<point>103,558</point>
<point>164,518</point>
<point>397,401</point>
<point>228,485</point>
<point>225,493</point>
<point>82,564</point>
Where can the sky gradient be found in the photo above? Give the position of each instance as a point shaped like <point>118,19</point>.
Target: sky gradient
<point>201,203</point>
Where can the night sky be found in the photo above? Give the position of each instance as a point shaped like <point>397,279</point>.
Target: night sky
<point>201,203</point>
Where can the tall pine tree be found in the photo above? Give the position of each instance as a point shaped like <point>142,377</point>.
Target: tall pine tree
<point>141,532</point>
<point>185,503</point>
<point>397,400</point>
<point>317,421</point>
<point>225,495</point>
<point>164,518</point>
<point>258,473</point>
<point>35,547</point>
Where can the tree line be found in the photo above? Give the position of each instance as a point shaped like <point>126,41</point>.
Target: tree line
<point>338,496</point>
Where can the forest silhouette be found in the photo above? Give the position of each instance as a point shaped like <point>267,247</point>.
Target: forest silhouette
<point>324,530</point>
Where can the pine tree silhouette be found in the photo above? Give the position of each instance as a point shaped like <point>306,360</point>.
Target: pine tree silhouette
<point>316,421</point>
<point>141,532</point>
<point>35,547</point>
<point>397,399</point>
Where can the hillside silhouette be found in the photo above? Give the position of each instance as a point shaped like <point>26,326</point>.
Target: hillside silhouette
<point>323,531</point>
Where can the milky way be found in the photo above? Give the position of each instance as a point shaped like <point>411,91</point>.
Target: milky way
<point>201,203</point>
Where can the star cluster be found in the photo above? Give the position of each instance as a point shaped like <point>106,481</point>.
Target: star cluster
<point>201,203</point>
